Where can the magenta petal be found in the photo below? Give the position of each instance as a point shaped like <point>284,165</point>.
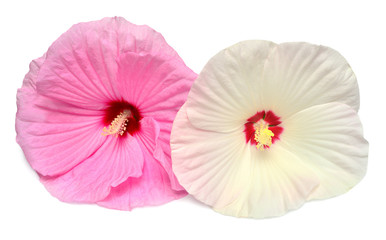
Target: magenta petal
<point>157,184</point>
<point>91,180</point>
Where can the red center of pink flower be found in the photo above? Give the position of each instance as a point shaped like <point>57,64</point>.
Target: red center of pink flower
<point>121,118</point>
<point>262,129</point>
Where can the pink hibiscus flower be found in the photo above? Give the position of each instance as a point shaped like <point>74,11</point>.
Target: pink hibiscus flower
<point>95,114</point>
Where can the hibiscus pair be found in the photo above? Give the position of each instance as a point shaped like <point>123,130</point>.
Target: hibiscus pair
<point>263,129</point>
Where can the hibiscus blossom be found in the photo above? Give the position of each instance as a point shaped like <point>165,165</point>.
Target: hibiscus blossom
<point>95,114</point>
<point>267,127</point>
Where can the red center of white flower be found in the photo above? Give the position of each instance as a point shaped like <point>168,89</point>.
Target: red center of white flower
<point>262,129</point>
<point>121,118</point>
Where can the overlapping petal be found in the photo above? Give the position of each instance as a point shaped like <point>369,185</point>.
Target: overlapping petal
<point>301,75</point>
<point>91,180</point>
<point>328,138</point>
<point>212,166</point>
<point>156,185</point>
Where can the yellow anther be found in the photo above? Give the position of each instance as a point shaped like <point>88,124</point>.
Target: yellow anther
<point>118,125</point>
<point>263,136</point>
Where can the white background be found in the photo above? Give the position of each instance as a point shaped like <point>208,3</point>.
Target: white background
<point>197,30</point>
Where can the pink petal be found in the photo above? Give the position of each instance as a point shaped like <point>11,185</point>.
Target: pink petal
<point>149,137</point>
<point>154,82</point>
<point>54,136</point>
<point>156,186</point>
<point>81,66</point>
<point>91,181</point>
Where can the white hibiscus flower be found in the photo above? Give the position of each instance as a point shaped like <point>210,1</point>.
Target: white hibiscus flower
<point>267,127</point>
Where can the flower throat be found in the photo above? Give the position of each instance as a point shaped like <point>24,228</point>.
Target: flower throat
<point>121,118</point>
<point>263,129</point>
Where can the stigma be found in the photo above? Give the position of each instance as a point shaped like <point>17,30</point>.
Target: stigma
<point>263,136</point>
<point>118,125</point>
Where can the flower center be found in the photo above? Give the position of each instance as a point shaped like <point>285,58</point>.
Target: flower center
<point>121,118</point>
<point>262,129</point>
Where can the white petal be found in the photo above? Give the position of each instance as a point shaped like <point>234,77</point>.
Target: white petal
<point>300,75</point>
<point>328,138</point>
<point>211,166</point>
<point>225,93</point>
<point>279,182</point>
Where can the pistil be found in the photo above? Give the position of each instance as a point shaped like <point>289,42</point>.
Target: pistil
<point>263,136</point>
<point>118,125</point>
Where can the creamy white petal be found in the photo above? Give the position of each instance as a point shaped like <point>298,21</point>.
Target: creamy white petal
<point>329,139</point>
<point>300,75</point>
<point>226,92</point>
<point>279,182</point>
<point>213,167</point>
